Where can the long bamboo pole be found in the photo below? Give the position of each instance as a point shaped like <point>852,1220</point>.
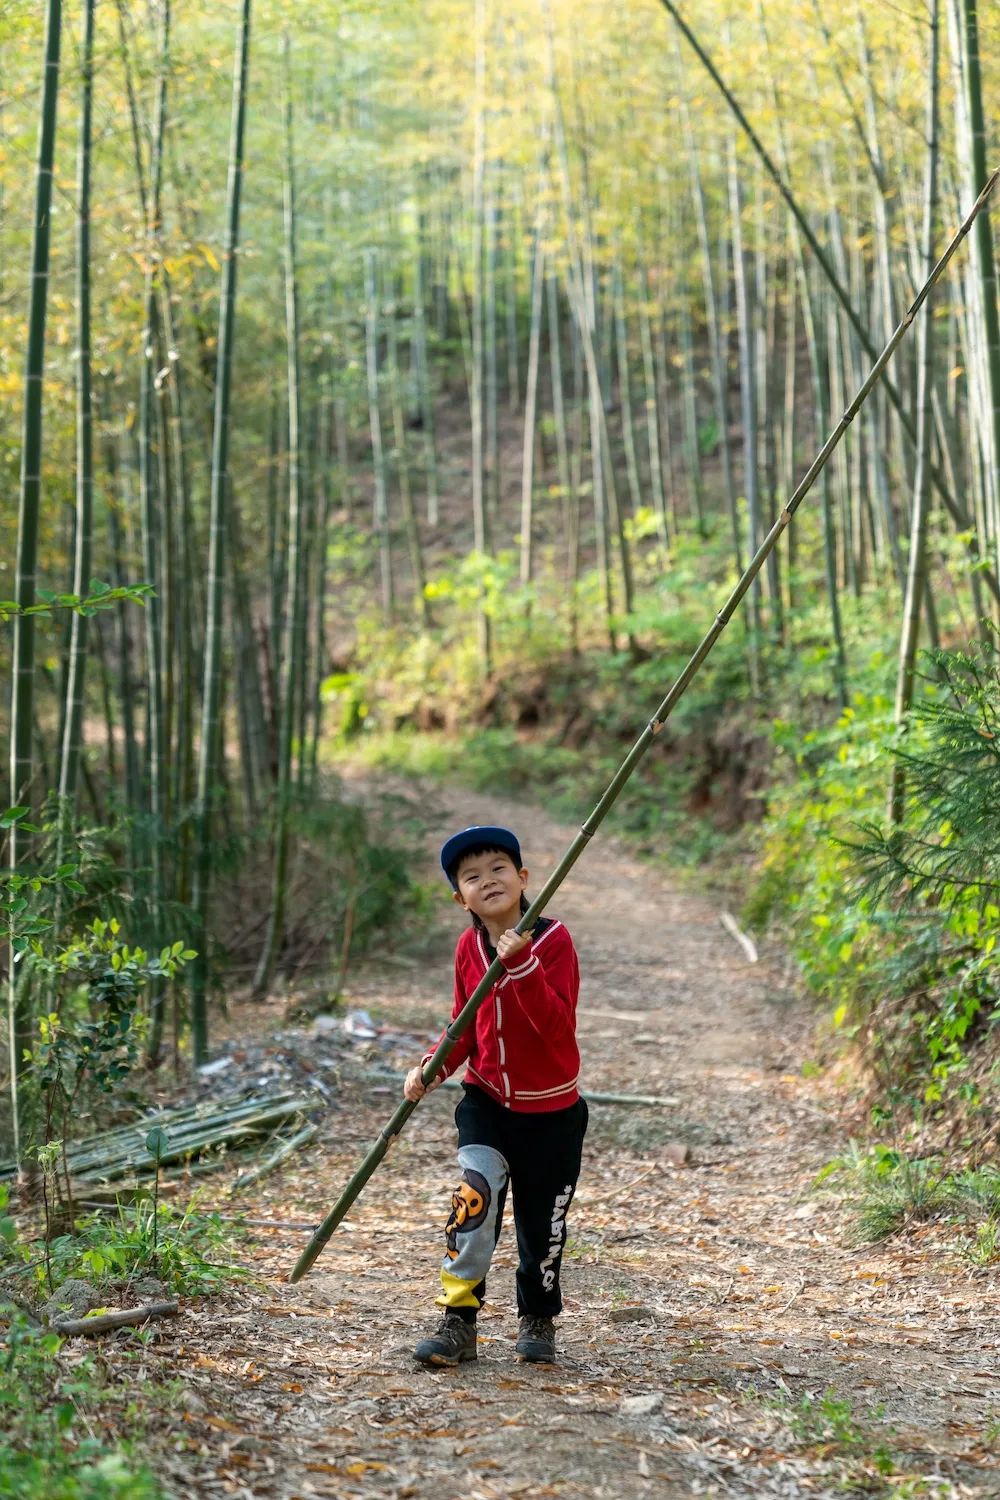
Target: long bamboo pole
<point>465,1017</point>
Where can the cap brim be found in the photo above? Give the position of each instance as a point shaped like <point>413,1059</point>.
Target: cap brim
<point>478,837</point>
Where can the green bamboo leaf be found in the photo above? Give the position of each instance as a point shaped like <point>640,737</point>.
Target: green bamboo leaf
<point>157,1143</point>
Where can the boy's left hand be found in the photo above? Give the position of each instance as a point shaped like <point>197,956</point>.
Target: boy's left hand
<point>511,942</point>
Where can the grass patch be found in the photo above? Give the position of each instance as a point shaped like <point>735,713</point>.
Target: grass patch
<point>180,1247</point>
<point>854,1448</point>
<point>886,1193</point>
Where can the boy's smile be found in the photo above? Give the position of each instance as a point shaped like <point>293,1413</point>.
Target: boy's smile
<point>490,886</point>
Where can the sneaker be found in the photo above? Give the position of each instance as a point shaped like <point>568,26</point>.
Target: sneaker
<point>452,1344</point>
<point>536,1341</point>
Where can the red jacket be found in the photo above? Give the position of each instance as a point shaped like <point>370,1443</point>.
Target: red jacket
<point>521,1048</point>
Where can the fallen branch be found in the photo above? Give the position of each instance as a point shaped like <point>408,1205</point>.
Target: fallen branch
<point>105,1322</point>
<point>619,1189</point>
<point>729,923</point>
<point>276,1158</point>
<point>776,1312</point>
<point>651,1101</point>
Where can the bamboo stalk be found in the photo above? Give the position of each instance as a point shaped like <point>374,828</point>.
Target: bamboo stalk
<point>465,1017</point>
<point>476,369</point>
<point>23,664</point>
<point>218,523</point>
<point>986,263</point>
<point>276,1158</point>
<point>951,501</point>
<point>188,1128</point>
<point>917,582</point>
<point>646,1101</point>
<point>293,603</point>
<point>73,712</point>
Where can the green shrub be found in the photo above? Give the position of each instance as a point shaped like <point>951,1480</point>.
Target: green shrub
<point>49,1411</point>
<point>896,929</point>
<point>180,1247</point>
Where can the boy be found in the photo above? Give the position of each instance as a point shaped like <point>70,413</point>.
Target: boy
<point>521,1120</point>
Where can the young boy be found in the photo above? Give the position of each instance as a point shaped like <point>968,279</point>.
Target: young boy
<point>521,1120</point>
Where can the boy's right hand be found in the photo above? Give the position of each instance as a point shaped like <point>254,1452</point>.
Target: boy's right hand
<point>414,1087</point>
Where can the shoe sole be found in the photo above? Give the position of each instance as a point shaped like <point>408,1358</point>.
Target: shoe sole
<point>535,1359</point>
<point>444,1361</point>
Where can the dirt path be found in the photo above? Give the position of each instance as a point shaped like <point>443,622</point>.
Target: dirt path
<point>709,1306</point>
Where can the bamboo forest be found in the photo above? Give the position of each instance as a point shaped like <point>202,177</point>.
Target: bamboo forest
<point>500,552</point>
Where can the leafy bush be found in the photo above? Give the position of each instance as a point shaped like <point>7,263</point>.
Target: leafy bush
<point>178,1246</point>
<point>897,928</point>
<point>91,1040</point>
<point>49,1411</point>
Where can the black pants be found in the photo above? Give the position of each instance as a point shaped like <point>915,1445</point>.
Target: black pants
<point>542,1154</point>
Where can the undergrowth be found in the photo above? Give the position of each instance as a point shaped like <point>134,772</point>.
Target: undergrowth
<point>896,928</point>
<point>856,1448</point>
<point>54,1406</point>
<point>57,1404</point>
<point>886,1192</point>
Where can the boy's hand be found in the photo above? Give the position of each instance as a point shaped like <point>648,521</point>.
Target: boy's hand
<point>511,942</point>
<point>414,1087</point>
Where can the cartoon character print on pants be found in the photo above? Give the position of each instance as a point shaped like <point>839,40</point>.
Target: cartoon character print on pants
<point>470,1203</point>
<point>471,1230</point>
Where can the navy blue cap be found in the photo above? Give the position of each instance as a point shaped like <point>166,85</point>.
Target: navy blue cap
<point>480,836</point>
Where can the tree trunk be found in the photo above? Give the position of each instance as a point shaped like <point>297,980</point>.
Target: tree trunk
<point>209,745</point>
<point>989,346</point>
<point>289,675</point>
<point>73,714</point>
<point>23,666</point>
<point>156,749</point>
<point>480,533</point>
<point>748,406</point>
<point>381,509</point>
<point>916,579</point>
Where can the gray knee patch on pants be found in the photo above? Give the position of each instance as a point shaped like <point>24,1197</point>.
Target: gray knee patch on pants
<point>471,1231</point>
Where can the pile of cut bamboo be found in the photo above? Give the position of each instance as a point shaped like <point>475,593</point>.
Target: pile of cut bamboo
<point>192,1131</point>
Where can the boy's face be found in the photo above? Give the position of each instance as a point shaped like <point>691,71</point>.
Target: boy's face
<point>490,886</point>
